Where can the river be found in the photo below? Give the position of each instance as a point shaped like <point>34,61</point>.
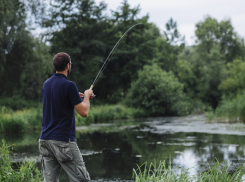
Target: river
<point>189,142</point>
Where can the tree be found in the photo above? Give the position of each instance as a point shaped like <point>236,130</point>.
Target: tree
<point>89,36</point>
<point>169,46</point>
<point>211,33</point>
<point>158,92</point>
<point>18,50</point>
<point>234,81</point>
<point>15,45</point>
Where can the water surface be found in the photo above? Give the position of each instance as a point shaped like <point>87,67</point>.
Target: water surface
<point>111,156</point>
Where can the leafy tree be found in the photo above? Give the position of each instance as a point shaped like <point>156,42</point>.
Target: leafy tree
<point>84,34</point>
<point>135,51</point>
<point>211,33</point>
<point>202,73</point>
<point>15,45</point>
<point>18,51</point>
<point>169,46</point>
<point>158,92</point>
<point>234,81</point>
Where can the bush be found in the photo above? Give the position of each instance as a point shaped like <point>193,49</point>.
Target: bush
<point>26,171</point>
<point>158,92</point>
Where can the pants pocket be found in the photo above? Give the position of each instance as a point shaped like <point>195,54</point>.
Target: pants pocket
<point>43,149</point>
<point>62,151</point>
<point>82,172</point>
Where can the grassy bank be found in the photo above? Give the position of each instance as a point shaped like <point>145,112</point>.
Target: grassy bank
<point>29,119</point>
<point>161,173</point>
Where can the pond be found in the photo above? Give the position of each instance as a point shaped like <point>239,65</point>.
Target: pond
<point>188,142</point>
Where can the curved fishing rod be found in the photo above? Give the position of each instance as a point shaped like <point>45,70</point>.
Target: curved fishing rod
<point>110,55</point>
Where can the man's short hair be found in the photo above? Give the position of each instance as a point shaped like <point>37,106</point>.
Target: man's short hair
<point>60,61</point>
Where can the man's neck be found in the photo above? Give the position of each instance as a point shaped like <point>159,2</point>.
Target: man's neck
<point>62,72</point>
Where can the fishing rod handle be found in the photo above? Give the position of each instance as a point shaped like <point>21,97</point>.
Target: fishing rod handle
<point>92,96</point>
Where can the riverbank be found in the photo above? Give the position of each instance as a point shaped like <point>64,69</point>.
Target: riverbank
<point>31,119</point>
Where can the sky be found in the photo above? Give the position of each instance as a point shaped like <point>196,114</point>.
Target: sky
<point>187,13</point>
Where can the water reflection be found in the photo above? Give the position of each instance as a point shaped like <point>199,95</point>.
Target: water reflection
<point>112,156</point>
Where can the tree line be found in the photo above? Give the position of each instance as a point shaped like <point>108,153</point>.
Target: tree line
<point>151,69</point>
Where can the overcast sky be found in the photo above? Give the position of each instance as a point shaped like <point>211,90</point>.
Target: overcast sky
<point>187,13</point>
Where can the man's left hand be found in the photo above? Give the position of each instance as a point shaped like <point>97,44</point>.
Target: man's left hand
<point>81,95</point>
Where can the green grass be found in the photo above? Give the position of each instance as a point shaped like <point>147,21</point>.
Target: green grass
<point>31,119</point>
<point>107,113</point>
<point>162,173</point>
<point>25,172</point>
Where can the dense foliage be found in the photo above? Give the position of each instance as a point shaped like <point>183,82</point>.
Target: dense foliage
<point>158,92</point>
<point>199,74</point>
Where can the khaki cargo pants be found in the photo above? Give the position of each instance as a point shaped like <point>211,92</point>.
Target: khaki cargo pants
<point>57,154</point>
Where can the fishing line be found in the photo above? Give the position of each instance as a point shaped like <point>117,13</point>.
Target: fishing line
<point>110,55</point>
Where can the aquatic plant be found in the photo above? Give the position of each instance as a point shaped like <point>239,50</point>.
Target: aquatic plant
<point>25,172</point>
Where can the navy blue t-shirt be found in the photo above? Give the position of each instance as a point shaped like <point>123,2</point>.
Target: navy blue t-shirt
<point>59,98</point>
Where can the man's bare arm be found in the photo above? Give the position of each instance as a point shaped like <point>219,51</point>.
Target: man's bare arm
<point>83,107</point>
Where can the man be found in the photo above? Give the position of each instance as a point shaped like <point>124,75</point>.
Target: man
<point>57,143</point>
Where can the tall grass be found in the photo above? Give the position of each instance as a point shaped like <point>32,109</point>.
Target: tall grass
<point>27,119</point>
<point>162,173</point>
<point>107,113</point>
<point>25,172</point>
<point>17,121</point>
<point>231,109</point>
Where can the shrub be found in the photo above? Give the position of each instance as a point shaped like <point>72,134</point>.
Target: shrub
<point>26,171</point>
<point>158,93</point>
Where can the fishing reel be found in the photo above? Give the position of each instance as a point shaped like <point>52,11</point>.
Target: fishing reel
<point>92,96</point>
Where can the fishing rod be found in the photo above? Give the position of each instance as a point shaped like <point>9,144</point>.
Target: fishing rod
<point>108,58</point>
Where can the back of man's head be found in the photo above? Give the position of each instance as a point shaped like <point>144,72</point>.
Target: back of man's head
<point>60,61</point>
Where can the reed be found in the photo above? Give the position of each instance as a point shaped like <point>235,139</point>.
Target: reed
<point>162,173</point>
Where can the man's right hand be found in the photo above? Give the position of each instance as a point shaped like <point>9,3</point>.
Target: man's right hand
<point>88,93</point>
<point>83,107</point>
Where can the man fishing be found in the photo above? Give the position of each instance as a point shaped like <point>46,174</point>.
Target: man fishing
<point>57,143</point>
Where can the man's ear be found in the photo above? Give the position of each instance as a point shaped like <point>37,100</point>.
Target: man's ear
<point>67,66</point>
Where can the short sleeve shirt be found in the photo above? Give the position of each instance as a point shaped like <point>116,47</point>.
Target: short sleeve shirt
<point>59,96</point>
